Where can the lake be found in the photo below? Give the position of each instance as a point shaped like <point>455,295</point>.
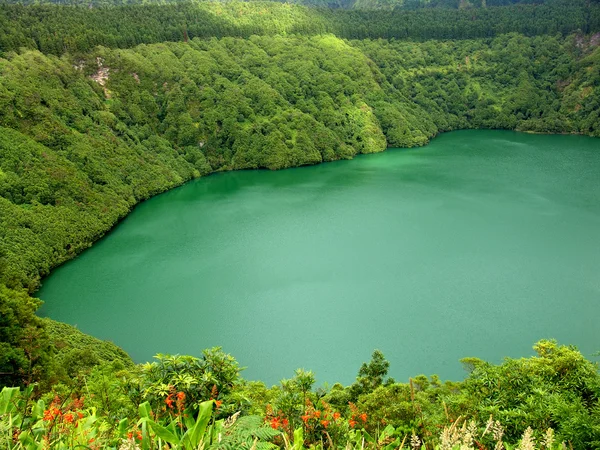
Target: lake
<point>479,244</point>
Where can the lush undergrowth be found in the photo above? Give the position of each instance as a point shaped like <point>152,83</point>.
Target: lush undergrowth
<point>91,123</point>
<point>550,401</point>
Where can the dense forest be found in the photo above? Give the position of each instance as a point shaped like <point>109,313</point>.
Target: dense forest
<point>103,107</point>
<point>57,30</point>
<point>334,4</point>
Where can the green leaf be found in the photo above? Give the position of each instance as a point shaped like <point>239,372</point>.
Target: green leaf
<point>38,410</point>
<point>194,435</point>
<point>6,399</point>
<point>145,410</point>
<point>123,425</point>
<point>368,437</point>
<point>164,433</point>
<point>298,439</point>
<point>387,432</point>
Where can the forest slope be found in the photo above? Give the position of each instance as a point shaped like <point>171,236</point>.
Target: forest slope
<point>78,154</point>
<point>63,29</point>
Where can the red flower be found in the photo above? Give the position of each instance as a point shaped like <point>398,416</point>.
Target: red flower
<point>285,422</point>
<point>169,401</point>
<point>69,418</point>
<point>48,415</point>
<point>180,401</point>
<point>352,423</point>
<point>336,415</point>
<point>130,435</point>
<point>363,417</point>
<point>80,415</point>
<point>275,423</point>
<point>139,435</point>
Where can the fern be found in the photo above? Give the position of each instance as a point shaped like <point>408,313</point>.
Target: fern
<point>248,432</point>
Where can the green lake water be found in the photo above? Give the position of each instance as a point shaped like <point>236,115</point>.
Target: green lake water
<point>479,244</point>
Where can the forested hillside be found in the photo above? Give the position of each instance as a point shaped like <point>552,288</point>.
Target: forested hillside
<point>102,108</point>
<point>85,139</point>
<point>57,30</point>
<point>345,4</point>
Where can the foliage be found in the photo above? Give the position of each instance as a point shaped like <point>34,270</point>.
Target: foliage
<point>24,352</point>
<point>558,389</point>
<point>211,377</point>
<point>529,403</point>
<point>77,353</point>
<point>58,29</point>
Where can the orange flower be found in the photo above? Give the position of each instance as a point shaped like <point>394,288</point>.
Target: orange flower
<point>139,435</point>
<point>363,417</point>
<point>275,423</point>
<point>69,418</point>
<point>336,415</point>
<point>80,415</point>
<point>56,412</point>
<point>352,423</point>
<point>325,423</point>
<point>305,418</point>
<point>181,396</point>
<point>169,401</point>
<point>285,422</point>
<point>48,415</point>
<point>317,414</point>
<point>130,435</point>
<point>218,403</point>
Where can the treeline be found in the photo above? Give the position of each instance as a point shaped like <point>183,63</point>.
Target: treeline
<point>346,4</point>
<point>56,29</point>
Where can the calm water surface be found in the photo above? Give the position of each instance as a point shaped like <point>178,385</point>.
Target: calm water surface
<point>479,244</point>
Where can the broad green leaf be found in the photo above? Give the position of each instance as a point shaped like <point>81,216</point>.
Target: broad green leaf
<point>164,433</point>
<point>368,437</point>
<point>123,425</point>
<point>387,432</point>
<point>145,410</point>
<point>194,435</point>
<point>298,439</point>
<point>38,410</point>
<point>6,399</point>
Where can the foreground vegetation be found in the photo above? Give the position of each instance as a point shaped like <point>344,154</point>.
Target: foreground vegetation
<point>185,402</point>
<point>103,108</point>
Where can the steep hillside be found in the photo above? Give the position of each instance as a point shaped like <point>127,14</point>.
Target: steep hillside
<point>84,140</point>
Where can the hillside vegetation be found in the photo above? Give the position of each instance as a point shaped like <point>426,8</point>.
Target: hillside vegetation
<point>102,108</point>
<point>83,140</point>
<point>57,30</point>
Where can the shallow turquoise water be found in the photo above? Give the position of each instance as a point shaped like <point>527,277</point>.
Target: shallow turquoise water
<point>479,244</point>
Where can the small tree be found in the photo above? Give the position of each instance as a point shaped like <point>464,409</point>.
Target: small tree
<point>371,376</point>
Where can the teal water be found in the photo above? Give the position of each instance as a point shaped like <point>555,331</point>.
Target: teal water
<point>479,244</point>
